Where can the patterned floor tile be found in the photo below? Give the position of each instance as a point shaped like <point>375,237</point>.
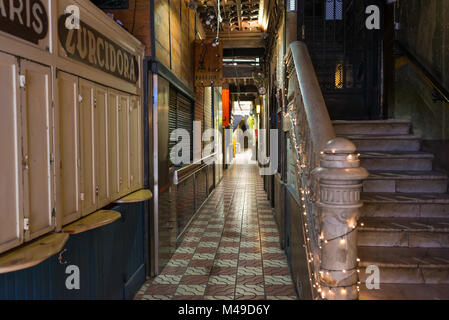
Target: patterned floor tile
<point>249,290</point>
<point>203,256</point>
<point>227,256</point>
<point>252,244</point>
<point>183,249</point>
<point>251,271</point>
<point>222,280</point>
<point>250,263</point>
<point>275,263</point>
<point>197,271</point>
<point>249,256</point>
<point>195,279</point>
<point>230,250</point>
<point>161,289</point>
<point>276,271</point>
<point>280,290</point>
<point>167,279</point>
<point>201,263</point>
<point>225,263</point>
<point>208,244</point>
<point>178,263</point>
<point>193,297</point>
<point>228,297</point>
<point>278,280</point>
<point>190,290</point>
<point>217,270</point>
<point>250,280</point>
<point>156,297</point>
<point>282,297</point>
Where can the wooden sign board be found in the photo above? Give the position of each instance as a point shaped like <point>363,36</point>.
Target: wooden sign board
<point>225,104</point>
<point>208,64</point>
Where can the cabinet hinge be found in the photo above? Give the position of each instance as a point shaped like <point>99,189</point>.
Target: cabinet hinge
<point>26,224</point>
<point>52,158</point>
<point>80,98</point>
<point>22,80</point>
<point>82,196</point>
<point>53,212</point>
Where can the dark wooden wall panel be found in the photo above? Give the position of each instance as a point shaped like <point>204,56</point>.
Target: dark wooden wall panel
<point>136,19</point>
<point>110,259</point>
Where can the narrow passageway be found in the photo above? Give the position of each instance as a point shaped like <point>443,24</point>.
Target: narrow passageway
<point>231,249</point>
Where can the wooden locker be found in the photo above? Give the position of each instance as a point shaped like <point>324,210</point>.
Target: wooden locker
<point>101,145</point>
<point>123,144</point>
<point>11,217</point>
<point>88,197</point>
<point>69,147</point>
<point>135,128</point>
<point>37,115</point>
<point>113,144</point>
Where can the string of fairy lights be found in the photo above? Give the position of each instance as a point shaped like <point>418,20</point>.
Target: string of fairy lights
<point>323,289</point>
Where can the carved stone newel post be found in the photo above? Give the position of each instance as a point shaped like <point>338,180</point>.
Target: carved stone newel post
<point>340,178</point>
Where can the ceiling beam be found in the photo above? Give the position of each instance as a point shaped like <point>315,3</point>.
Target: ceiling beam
<point>244,52</point>
<point>239,13</point>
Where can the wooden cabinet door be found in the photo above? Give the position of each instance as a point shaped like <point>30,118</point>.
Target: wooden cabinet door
<point>113,144</point>
<point>11,217</point>
<point>124,144</point>
<point>37,153</point>
<point>135,141</point>
<point>88,183</point>
<point>101,145</point>
<point>69,144</point>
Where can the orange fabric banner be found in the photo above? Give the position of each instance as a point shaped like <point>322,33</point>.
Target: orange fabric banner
<point>225,103</point>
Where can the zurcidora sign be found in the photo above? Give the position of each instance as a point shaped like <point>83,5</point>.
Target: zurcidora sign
<point>87,45</point>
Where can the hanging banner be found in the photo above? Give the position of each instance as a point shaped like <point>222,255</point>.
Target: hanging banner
<point>208,64</point>
<point>225,104</point>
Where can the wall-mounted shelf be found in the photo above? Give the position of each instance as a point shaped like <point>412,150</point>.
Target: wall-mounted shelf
<point>32,253</point>
<point>138,196</point>
<point>92,221</point>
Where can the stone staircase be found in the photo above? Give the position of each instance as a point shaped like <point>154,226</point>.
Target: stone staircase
<point>404,226</point>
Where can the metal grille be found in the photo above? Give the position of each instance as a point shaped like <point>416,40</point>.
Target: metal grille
<point>346,56</point>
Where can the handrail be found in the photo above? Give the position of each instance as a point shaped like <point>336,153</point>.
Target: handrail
<point>321,127</point>
<point>185,168</point>
<point>426,75</point>
<point>329,180</point>
<point>198,162</point>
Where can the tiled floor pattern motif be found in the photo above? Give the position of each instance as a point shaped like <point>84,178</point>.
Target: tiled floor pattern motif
<point>230,251</point>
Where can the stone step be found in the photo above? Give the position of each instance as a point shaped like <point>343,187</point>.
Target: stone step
<point>406,292</point>
<point>372,127</point>
<point>397,205</point>
<point>385,143</point>
<point>406,182</point>
<point>396,161</point>
<point>406,265</point>
<point>404,232</point>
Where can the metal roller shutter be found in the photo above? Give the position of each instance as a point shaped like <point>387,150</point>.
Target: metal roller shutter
<point>172,123</point>
<point>180,116</point>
